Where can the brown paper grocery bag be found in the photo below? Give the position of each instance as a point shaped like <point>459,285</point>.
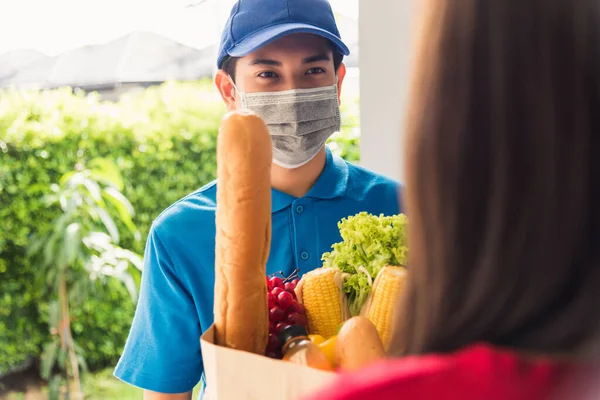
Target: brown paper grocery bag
<point>238,375</point>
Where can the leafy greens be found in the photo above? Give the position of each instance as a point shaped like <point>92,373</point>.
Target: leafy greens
<point>368,244</point>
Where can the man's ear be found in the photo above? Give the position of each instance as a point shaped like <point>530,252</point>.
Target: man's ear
<point>341,74</point>
<point>226,89</point>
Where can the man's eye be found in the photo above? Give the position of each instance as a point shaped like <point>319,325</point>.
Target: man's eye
<point>268,75</point>
<point>315,71</point>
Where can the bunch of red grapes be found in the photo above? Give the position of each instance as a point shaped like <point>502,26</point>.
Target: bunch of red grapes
<point>284,309</point>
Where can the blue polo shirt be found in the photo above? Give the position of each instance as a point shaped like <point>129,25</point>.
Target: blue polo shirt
<point>175,306</point>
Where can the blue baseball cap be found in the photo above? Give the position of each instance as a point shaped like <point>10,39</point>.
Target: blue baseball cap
<point>256,23</point>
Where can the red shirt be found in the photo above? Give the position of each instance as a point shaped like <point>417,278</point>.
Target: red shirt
<point>477,372</point>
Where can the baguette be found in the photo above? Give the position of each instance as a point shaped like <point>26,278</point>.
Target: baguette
<point>243,232</point>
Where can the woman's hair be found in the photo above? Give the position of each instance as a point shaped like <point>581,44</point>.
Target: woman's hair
<point>503,177</point>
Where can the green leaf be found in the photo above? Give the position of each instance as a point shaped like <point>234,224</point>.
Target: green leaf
<point>51,256</point>
<point>79,291</point>
<point>94,190</point>
<point>108,223</point>
<point>54,313</point>
<point>52,279</point>
<point>98,241</point>
<point>129,284</point>
<point>54,388</point>
<point>78,349</point>
<point>61,359</point>
<point>82,363</point>
<point>49,356</point>
<point>120,202</point>
<point>64,180</point>
<point>123,207</point>
<point>35,246</point>
<point>106,171</point>
<point>135,259</point>
<point>60,223</point>
<point>72,243</point>
<point>63,200</point>
<point>51,199</point>
<point>136,274</point>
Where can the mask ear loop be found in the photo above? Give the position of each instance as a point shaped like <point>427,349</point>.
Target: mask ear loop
<point>242,96</point>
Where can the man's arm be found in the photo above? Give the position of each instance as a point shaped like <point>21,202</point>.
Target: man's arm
<point>148,395</point>
<point>162,353</point>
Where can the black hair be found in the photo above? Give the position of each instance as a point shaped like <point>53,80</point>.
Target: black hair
<point>229,63</point>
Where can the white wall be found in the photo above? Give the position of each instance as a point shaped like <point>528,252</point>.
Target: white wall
<point>385,31</point>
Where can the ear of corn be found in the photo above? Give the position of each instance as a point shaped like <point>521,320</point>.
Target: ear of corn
<point>326,306</point>
<point>383,301</point>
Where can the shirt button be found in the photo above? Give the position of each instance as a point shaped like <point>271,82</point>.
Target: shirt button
<point>304,255</point>
<point>299,209</point>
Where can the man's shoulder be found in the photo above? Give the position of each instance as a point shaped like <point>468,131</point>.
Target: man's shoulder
<point>363,180</point>
<point>197,209</point>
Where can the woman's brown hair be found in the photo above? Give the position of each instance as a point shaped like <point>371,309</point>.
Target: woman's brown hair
<point>503,177</point>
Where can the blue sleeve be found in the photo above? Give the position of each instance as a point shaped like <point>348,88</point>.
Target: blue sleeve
<point>162,353</point>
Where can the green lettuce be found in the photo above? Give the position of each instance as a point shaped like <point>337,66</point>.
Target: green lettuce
<point>368,244</point>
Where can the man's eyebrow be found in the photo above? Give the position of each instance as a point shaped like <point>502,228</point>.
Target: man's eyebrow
<point>265,61</point>
<point>316,58</point>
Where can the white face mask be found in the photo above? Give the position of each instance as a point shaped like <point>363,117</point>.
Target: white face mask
<point>300,121</point>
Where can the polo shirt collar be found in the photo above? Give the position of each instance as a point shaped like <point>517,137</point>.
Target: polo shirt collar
<point>331,184</point>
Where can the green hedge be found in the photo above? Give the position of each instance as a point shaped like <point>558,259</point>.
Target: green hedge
<point>162,139</point>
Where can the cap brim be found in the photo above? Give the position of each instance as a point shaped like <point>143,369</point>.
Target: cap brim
<point>265,36</point>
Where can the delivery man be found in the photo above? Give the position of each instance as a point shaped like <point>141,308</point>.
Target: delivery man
<point>281,59</point>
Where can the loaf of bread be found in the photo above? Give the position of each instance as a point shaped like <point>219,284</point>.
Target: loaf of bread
<point>358,344</point>
<point>243,232</point>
